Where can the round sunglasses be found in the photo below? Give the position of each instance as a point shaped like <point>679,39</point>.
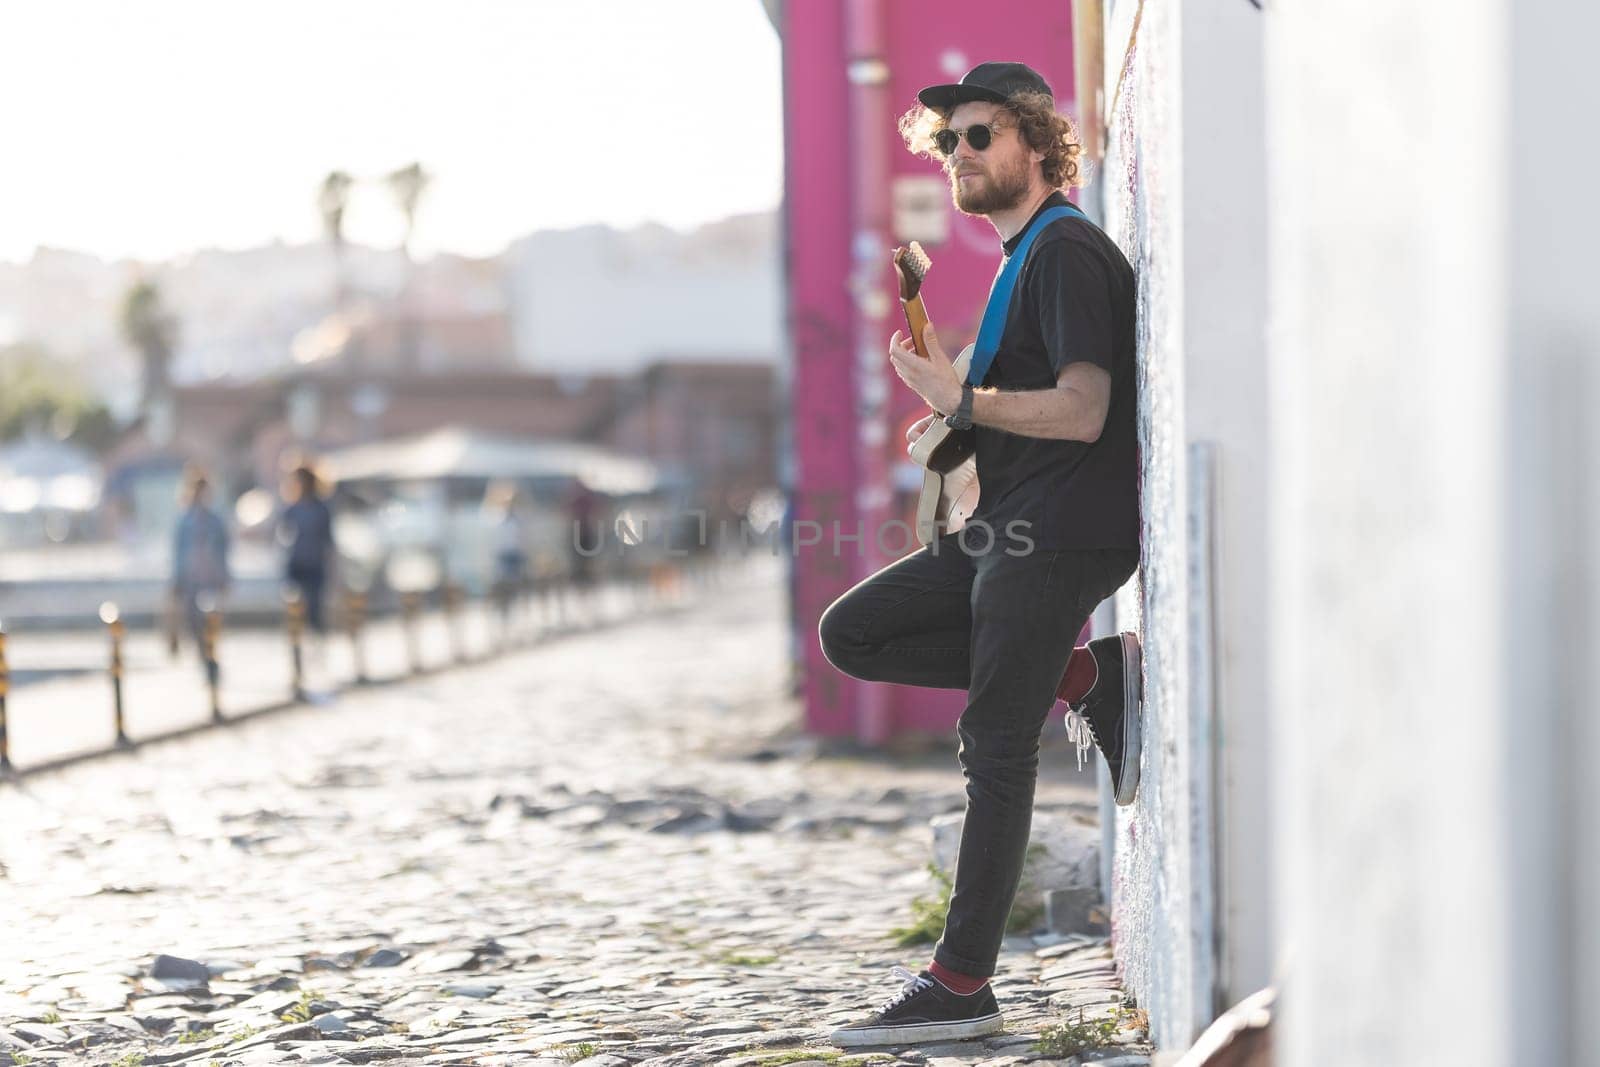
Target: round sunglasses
<point>980,135</point>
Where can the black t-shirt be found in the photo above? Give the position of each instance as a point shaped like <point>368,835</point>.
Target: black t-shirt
<point>1074,302</point>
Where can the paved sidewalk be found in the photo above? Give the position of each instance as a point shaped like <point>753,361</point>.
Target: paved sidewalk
<point>61,703</point>
<point>612,848</point>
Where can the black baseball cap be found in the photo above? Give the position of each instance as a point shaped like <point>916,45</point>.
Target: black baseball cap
<point>995,82</point>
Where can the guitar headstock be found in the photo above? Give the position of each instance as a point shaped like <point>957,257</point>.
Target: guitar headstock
<point>911,263</point>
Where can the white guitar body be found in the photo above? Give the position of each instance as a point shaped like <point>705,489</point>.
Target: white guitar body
<point>950,472</point>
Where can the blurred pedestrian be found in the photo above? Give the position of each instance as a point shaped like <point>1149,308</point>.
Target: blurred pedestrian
<point>307,528</point>
<point>510,549</point>
<point>200,572</point>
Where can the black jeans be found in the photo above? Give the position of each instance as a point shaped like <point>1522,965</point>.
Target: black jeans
<point>1002,627</point>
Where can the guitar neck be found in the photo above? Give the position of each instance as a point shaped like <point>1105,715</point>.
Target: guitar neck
<point>917,320</point>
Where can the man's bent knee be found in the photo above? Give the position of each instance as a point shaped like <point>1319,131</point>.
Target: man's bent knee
<point>839,633</point>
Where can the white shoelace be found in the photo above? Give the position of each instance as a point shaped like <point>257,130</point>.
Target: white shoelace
<point>1078,733</point>
<point>914,984</point>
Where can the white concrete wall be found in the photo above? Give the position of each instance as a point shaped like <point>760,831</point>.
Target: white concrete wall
<point>1184,193</point>
<point>1225,407</point>
<point>1436,354</point>
<point>1161,884</point>
<point>1406,609</point>
<point>1389,210</point>
<point>1551,519</point>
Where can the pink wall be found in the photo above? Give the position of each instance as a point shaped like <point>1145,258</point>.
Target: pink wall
<point>849,411</point>
<point>820,321</point>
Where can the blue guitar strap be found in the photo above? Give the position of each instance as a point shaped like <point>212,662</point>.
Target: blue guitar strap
<point>994,312</point>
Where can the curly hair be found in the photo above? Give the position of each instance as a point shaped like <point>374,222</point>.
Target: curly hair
<point>1041,127</point>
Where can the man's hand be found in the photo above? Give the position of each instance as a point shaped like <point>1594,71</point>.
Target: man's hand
<point>920,427</point>
<point>933,379</point>
<point>915,431</point>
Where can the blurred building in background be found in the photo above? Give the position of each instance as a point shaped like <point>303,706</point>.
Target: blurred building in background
<point>645,343</point>
<point>602,300</point>
<point>593,300</point>
<point>414,510</point>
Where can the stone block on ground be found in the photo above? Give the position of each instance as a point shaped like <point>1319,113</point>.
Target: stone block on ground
<point>1063,855</point>
<point>1077,910</point>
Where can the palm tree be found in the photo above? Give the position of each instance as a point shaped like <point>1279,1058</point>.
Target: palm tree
<point>408,184</point>
<point>332,199</point>
<point>148,327</point>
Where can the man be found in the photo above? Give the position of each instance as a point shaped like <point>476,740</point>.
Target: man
<point>307,528</point>
<point>996,612</point>
<point>200,573</point>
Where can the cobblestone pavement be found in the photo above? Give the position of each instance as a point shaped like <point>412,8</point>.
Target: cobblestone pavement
<point>611,849</point>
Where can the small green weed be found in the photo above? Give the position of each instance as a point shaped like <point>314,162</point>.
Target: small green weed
<point>51,1016</point>
<point>581,1051</point>
<point>301,1012</point>
<point>1025,917</point>
<point>242,1034</point>
<point>830,1056</point>
<point>195,1037</point>
<point>1072,1037</point>
<point>740,959</point>
<point>927,914</point>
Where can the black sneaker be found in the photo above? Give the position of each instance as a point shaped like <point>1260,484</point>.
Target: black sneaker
<point>1110,711</point>
<point>924,1010</point>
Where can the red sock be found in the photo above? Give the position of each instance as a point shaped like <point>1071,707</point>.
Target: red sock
<point>963,984</point>
<point>1079,677</point>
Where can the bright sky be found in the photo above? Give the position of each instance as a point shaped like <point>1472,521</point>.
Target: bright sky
<point>152,128</point>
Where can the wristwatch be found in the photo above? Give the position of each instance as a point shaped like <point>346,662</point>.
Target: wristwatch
<point>962,418</point>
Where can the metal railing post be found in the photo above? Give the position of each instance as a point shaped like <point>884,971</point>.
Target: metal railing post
<point>408,621</point>
<point>115,628</point>
<point>211,634</point>
<point>294,621</point>
<point>5,685</point>
<point>452,614</point>
<point>355,617</point>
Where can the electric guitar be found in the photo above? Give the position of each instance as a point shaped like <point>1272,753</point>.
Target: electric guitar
<point>950,468</point>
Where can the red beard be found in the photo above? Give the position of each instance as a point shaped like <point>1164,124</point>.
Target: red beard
<point>994,190</point>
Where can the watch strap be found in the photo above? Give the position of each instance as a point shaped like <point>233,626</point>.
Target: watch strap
<point>961,418</point>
